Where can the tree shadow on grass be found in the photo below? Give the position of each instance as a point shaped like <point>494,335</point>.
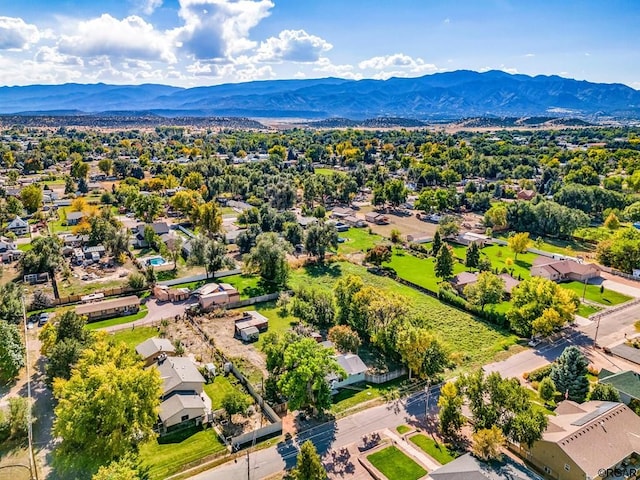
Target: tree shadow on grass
<point>323,269</point>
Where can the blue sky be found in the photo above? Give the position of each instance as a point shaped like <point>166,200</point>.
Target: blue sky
<point>206,42</point>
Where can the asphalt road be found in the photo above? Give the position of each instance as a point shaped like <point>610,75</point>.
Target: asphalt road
<point>326,437</point>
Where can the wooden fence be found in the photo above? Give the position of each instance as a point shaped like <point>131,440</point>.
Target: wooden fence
<point>385,377</point>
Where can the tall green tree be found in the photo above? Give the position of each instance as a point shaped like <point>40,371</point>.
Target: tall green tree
<point>541,306</point>
<point>487,290</point>
<point>487,443</point>
<point>436,244</point>
<point>306,366</point>
<point>269,258</point>
<point>12,351</point>
<point>444,263</point>
<point>109,404</point>
<point>31,197</point>
<point>519,242</point>
<point>423,352</point>
<point>378,255</point>
<point>473,255</point>
<point>11,306</point>
<point>308,464</point>
<point>450,410</point>
<point>125,468</point>
<point>319,238</point>
<point>569,374</point>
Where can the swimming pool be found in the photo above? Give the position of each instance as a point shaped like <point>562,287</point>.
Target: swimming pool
<point>155,261</point>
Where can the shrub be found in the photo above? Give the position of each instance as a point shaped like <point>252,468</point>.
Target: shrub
<point>539,374</point>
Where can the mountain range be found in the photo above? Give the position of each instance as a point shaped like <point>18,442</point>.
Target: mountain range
<point>441,96</point>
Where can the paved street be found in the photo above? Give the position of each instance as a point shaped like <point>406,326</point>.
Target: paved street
<point>326,437</point>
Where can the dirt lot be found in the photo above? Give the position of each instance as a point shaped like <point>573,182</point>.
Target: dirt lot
<point>222,330</point>
<point>405,223</point>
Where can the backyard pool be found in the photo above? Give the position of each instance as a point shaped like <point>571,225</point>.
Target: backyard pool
<point>155,261</point>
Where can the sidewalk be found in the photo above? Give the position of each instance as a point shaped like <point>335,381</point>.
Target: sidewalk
<point>413,451</point>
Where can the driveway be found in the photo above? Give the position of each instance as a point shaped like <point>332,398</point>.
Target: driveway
<point>157,311</point>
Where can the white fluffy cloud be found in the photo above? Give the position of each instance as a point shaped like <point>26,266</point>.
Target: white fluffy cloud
<point>16,34</point>
<point>149,6</point>
<point>293,46</point>
<point>217,29</point>
<point>130,37</point>
<point>50,55</point>
<point>397,60</point>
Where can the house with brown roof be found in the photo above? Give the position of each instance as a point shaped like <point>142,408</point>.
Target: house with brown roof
<point>563,270</point>
<point>588,441</point>
<point>117,307</point>
<point>461,280</point>
<point>526,195</point>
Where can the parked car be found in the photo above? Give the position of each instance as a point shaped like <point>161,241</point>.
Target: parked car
<point>534,342</point>
<point>43,318</point>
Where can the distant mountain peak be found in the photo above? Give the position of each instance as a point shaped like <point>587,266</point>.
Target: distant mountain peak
<point>440,96</point>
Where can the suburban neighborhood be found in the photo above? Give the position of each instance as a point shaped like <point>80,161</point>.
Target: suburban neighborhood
<point>186,302</point>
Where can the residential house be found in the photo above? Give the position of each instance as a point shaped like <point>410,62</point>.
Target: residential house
<point>305,222</point>
<point>74,240</point>
<point>526,195</point>
<point>468,467</point>
<point>183,397</point>
<point>461,280</point>
<point>213,294</point>
<point>74,218</point>
<point>231,236</point>
<point>419,237</point>
<point>164,293</point>
<point>7,245</point>
<point>563,270</point>
<point>583,441</point>
<point>18,226</point>
<point>354,367</point>
<point>354,221</point>
<point>627,383</point>
<point>117,307</point>
<point>467,238</point>
<point>150,350</point>
<point>94,253</point>
<point>341,212</point>
<point>159,228</point>
<point>377,218</point>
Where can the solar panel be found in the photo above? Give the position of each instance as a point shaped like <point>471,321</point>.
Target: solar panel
<point>601,410</point>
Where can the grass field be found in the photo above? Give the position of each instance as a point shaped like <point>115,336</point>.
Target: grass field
<point>119,320</point>
<point>418,270</point>
<point>25,247</point>
<point>220,387</point>
<point>357,240</point>
<point>607,298</point>
<point>249,285</point>
<point>476,341</point>
<point>402,429</point>
<point>438,451</point>
<point>324,171</point>
<point>395,465</point>
<point>586,310</point>
<point>498,255</point>
<point>135,336</point>
<point>170,454</point>
<point>348,398</point>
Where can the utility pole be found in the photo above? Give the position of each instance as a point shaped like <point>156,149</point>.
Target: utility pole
<point>426,401</point>
<point>584,290</point>
<point>595,337</point>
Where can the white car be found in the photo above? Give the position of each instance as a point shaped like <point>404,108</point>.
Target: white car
<point>534,342</point>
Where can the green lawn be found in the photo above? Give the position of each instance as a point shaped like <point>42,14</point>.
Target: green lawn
<point>395,465</point>
<point>358,240</point>
<point>402,429</point>
<point>438,451</point>
<point>586,310</point>
<point>220,387</point>
<point>348,397</point>
<point>135,336</point>
<point>418,270</point>
<point>25,247</point>
<point>119,320</point>
<point>325,171</point>
<point>476,341</point>
<point>277,321</point>
<point>609,297</point>
<point>172,453</point>
<point>249,285</point>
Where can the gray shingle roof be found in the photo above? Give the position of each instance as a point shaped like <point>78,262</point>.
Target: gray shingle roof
<point>177,370</point>
<point>178,403</point>
<point>468,467</point>
<point>352,364</point>
<point>154,346</point>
